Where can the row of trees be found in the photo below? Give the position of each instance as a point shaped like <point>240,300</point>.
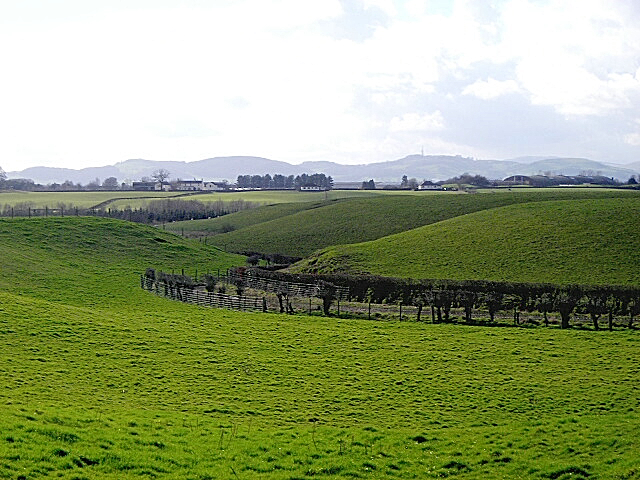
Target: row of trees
<point>279,181</point>
<point>442,295</point>
<point>26,184</point>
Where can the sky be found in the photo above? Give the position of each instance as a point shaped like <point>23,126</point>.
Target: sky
<point>92,83</point>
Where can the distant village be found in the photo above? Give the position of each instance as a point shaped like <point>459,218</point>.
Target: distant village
<point>159,181</point>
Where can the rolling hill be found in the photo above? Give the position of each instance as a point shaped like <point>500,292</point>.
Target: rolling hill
<point>594,241</point>
<point>360,219</point>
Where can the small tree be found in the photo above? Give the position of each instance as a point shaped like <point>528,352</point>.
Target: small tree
<point>493,301</point>
<point>3,175</point>
<point>160,175</point>
<point>94,185</point>
<point>595,304</point>
<point>442,300</point>
<point>253,260</point>
<point>327,292</point>
<point>209,282</point>
<point>565,302</point>
<point>544,304</point>
<point>110,183</point>
<point>370,185</point>
<point>239,283</point>
<point>283,299</point>
<point>466,300</point>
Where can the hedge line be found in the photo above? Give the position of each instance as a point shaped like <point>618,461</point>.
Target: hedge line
<point>442,295</point>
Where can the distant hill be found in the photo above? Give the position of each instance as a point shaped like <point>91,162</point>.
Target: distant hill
<point>431,167</point>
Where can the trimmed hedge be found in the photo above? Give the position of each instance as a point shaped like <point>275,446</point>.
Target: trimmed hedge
<point>442,295</point>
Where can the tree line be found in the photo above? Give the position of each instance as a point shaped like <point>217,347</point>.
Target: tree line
<point>279,181</point>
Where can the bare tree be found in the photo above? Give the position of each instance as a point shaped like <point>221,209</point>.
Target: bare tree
<point>3,175</point>
<point>160,175</point>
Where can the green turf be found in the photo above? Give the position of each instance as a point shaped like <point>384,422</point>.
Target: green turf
<point>593,241</point>
<point>241,219</point>
<point>99,379</point>
<point>361,219</point>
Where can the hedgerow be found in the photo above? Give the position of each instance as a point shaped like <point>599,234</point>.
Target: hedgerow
<point>613,300</point>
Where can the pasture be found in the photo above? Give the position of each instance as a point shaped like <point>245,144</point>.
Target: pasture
<point>259,197</point>
<point>76,199</point>
<point>100,379</point>
<point>571,241</point>
<point>319,225</point>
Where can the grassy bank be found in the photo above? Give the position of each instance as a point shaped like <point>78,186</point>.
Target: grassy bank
<point>576,241</point>
<point>300,233</point>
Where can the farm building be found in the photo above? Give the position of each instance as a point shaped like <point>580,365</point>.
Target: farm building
<point>214,186</point>
<point>429,185</point>
<point>189,185</point>
<point>150,186</point>
<point>311,187</point>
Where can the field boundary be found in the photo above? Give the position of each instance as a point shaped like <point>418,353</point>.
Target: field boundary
<point>203,298</point>
<point>293,289</point>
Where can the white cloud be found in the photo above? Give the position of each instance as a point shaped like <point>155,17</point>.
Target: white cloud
<point>633,138</point>
<point>190,80</point>
<point>415,122</point>
<point>574,56</point>
<point>491,88</point>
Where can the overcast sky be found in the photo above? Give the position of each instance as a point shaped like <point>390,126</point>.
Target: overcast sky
<point>91,82</point>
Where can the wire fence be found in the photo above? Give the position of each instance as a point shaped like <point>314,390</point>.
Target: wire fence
<point>291,289</point>
<point>199,296</point>
<point>267,296</point>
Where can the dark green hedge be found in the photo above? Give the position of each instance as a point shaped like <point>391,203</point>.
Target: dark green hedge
<point>595,300</point>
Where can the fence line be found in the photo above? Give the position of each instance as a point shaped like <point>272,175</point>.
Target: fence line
<point>203,298</point>
<point>292,289</point>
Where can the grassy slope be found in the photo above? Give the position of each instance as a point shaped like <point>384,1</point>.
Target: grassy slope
<point>573,241</point>
<point>241,219</point>
<point>99,379</point>
<point>262,197</point>
<point>358,220</point>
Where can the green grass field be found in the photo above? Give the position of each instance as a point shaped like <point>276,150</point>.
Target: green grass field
<point>300,233</point>
<point>241,219</point>
<point>594,241</point>
<point>99,379</point>
<point>259,197</point>
<point>76,199</point>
